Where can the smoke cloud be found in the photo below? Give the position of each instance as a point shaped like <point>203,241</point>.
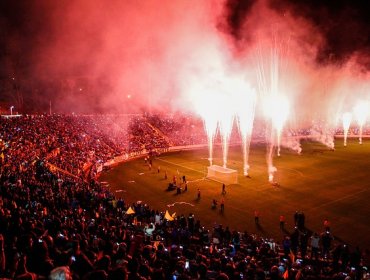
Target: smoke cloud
<point>126,56</point>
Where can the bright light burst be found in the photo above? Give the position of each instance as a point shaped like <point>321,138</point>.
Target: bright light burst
<point>226,119</point>
<point>276,108</point>
<point>271,76</point>
<point>245,116</point>
<point>209,115</point>
<point>347,117</point>
<point>218,102</point>
<point>361,111</point>
<point>271,170</point>
<point>226,124</point>
<point>219,95</point>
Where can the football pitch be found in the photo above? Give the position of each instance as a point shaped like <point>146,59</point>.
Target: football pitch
<point>323,184</point>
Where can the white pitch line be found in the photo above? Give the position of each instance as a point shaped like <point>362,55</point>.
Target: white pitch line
<point>196,180</point>
<point>181,202</point>
<point>182,166</point>
<point>339,199</point>
<point>204,178</point>
<point>290,169</point>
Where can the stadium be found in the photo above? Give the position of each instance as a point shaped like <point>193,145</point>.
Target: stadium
<point>173,139</point>
<point>149,186</point>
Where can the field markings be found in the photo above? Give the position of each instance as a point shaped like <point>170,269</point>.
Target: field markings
<point>321,171</point>
<point>180,202</point>
<point>260,188</point>
<point>339,199</point>
<point>117,191</point>
<point>294,170</point>
<point>254,167</point>
<point>197,180</point>
<point>182,166</point>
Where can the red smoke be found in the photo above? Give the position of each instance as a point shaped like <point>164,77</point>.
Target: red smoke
<point>88,56</point>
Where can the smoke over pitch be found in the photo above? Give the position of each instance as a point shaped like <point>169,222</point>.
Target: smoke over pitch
<point>120,56</point>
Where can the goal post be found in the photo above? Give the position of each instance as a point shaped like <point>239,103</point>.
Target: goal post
<point>221,174</point>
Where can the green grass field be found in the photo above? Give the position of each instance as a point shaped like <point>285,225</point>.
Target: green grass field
<point>321,183</point>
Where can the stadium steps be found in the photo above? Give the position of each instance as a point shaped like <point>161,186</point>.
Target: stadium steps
<point>160,133</point>
<point>53,168</point>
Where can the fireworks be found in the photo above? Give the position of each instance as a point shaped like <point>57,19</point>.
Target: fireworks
<point>226,124</point>
<point>361,111</point>
<point>270,77</point>
<point>209,115</point>
<point>245,114</point>
<point>277,109</point>
<point>221,93</point>
<point>347,117</point>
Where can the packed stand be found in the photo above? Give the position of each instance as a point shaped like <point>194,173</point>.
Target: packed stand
<point>67,142</point>
<point>144,136</point>
<point>181,130</point>
<point>63,227</point>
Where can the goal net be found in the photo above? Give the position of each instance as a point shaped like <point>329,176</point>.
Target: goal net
<point>221,174</point>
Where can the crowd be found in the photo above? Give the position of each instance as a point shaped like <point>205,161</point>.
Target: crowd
<point>63,225</point>
<point>144,136</point>
<point>181,130</point>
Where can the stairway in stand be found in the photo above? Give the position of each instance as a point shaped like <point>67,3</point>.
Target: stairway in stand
<point>160,133</point>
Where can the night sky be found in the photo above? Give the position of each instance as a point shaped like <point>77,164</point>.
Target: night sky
<point>122,56</point>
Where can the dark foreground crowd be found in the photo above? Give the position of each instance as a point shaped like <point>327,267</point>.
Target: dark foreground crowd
<point>63,225</point>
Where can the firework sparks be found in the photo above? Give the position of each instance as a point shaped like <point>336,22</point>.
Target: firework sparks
<point>347,117</point>
<point>361,111</point>
<point>245,114</point>
<point>277,109</point>
<point>210,119</point>
<point>226,124</point>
